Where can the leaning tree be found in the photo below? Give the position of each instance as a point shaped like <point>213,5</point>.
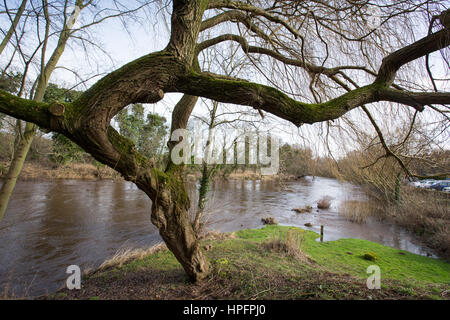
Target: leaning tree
<point>331,49</point>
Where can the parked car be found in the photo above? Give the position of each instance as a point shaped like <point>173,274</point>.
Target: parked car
<point>416,184</point>
<point>440,185</point>
<point>427,183</point>
<point>446,189</point>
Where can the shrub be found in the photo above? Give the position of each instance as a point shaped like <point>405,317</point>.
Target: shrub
<point>269,220</point>
<point>371,256</point>
<point>288,243</point>
<point>324,203</point>
<point>303,210</point>
<point>358,210</point>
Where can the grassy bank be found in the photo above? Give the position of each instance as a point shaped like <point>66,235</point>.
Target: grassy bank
<point>271,263</point>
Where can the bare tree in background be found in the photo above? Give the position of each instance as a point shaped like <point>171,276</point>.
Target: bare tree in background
<point>52,21</point>
<point>14,23</point>
<point>326,59</point>
<point>219,116</point>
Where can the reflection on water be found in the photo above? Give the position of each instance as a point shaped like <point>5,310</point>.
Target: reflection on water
<point>51,225</point>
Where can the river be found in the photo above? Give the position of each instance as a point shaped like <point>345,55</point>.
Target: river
<point>50,225</point>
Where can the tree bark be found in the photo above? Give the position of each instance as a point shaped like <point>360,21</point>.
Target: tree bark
<point>181,236</point>
<point>16,166</point>
<point>170,211</point>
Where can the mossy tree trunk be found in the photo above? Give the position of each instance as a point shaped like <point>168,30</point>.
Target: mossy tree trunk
<point>170,213</point>
<point>178,231</point>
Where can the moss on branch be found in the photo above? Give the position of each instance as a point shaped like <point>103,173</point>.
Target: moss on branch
<point>272,100</point>
<point>28,110</point>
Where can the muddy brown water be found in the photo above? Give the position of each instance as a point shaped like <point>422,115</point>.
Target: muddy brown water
<point>53,224</point>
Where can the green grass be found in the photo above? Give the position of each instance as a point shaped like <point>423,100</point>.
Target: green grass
<point>248,267</point>
<point>335,256</point>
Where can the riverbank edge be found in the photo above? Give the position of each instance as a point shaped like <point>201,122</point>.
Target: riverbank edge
<point>36,171</point>
<point>254,264</point>
<point>33,171</point>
